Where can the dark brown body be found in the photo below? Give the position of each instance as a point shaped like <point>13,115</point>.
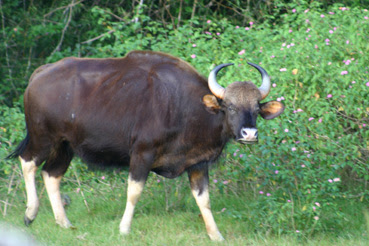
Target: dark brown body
<point>146,110</point>
<point>108,111</point>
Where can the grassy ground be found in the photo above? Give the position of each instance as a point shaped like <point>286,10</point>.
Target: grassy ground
<point>170,217</point>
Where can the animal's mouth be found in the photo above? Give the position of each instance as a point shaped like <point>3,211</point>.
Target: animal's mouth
<point>244,141</point>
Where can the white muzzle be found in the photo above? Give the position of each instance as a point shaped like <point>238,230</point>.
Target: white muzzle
<point>248,135</point>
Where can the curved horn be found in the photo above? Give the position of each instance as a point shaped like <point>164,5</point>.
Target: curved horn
<point>214,87</point>
<point>265,86</point>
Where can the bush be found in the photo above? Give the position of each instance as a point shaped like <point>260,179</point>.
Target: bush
<point>317,152</point>
<point>12,131</point>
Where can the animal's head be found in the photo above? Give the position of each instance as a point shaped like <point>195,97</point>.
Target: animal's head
<point>241,104</point>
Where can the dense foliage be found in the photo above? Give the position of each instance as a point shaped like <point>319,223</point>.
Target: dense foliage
<point>37,31</point>
<point>313,156</point>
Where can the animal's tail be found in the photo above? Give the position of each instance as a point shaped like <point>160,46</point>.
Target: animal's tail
<point>20,148</point>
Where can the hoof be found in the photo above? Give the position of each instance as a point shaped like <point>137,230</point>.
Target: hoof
<point>27,221</point>
<point>217,237</point>
<point>65,224</point>
<point>124,231</point>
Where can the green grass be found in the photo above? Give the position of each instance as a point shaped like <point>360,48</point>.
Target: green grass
<point>168,215</point>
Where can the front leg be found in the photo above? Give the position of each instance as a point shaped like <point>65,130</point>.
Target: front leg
<point>199,180</point>
<point>138,172</point>
<point>134,191</point>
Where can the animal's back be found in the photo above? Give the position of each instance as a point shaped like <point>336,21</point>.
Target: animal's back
<point>103,106</point>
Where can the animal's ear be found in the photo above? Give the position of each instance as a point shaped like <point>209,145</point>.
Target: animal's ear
<point>211,103</point>
<point>270,110</point>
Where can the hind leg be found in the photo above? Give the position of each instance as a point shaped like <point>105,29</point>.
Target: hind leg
<point>52,173</point>
<point>29,169</point>
<point>52,185</point>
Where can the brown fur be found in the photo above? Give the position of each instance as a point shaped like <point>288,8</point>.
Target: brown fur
<point>149,111</point>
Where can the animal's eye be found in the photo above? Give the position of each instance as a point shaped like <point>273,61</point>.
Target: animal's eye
<point>232,109</point>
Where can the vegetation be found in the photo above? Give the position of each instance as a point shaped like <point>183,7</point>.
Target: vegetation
<point>307,179</point>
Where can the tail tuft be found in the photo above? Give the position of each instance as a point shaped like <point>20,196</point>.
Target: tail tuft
<point>20,148</point>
